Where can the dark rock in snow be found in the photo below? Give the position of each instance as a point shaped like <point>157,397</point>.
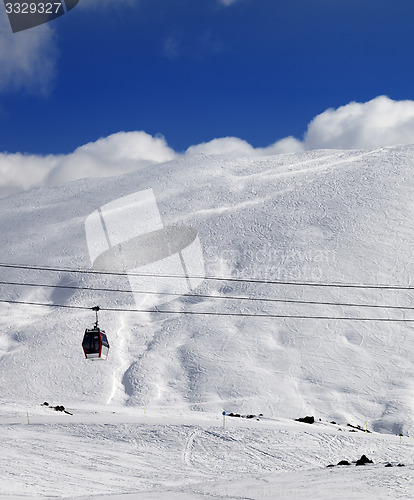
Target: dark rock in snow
<point>364,460</point>
<point>307,420</point>
<point>358,427</point>
<point>56,408</point>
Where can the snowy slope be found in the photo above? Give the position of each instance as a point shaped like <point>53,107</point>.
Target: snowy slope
<point>163,455</point>
<point>320,216</point>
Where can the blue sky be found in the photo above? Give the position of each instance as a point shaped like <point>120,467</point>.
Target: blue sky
<point>195,70</point>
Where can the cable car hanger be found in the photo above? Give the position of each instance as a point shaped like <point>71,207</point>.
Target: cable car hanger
<point>96,309</point>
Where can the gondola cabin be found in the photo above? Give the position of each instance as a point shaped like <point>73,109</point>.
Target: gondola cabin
<point>95,344</point>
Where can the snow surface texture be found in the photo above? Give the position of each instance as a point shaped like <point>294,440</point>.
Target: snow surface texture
<point>147,422</point>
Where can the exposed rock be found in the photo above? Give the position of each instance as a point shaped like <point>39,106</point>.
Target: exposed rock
<point>364,460</point>
<point>56,408</point>
<point>358,427</point>
<point>307,420</point>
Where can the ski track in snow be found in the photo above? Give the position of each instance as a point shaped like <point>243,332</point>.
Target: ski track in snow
<point>124,338</point>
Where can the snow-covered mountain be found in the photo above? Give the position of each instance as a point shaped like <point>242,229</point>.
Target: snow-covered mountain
<point>331,217</point>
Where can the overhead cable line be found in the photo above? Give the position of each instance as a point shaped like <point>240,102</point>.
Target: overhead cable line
<point>214,313</point>
<point>212,278</point>
<point>29,303</point>
<point>207,296</point>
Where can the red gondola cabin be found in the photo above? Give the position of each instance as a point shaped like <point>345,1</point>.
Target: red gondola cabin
<point>95,344</point>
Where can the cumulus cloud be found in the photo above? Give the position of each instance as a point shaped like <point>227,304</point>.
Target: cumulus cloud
<point>376,123</point>
<point>27,59</point>
<point>287,145</point>
<point>114,155</point>
<point>229,146</point>
<point>234,147</point>
<point>19,172</point>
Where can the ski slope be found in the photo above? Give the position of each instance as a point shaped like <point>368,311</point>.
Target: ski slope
<point>161,453</point>
<point>147,422</point>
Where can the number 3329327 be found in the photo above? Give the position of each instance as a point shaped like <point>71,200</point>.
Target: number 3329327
<point>33,8</point>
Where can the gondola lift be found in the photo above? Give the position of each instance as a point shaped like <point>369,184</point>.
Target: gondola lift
<point>95,343</point>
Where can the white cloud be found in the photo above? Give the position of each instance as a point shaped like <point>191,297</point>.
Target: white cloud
<point>229,146</point>
<point>234,147</point>
<point>114,155</point>
<point>376,123</point>
<point>19,172</point>
<point>27,58</point>
<point>286,145</point>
